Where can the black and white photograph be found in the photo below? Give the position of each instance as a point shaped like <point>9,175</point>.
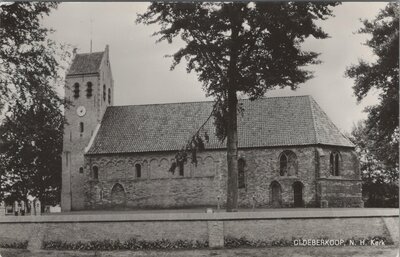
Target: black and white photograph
<point>199,129</point>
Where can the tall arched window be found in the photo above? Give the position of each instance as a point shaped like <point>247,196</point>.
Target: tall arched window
<point>89,89</point>
<point>138,170</point>
<point>81,127</point>
<point>104,92</point>
<point>241,173</point>
<point>288,163</point>
<point>95,170</point>
<point>334,163</point>
<point>76,90</point>
<point>109,96</point>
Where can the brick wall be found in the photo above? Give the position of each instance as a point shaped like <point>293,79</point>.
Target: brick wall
<point>75,142</point>
<point>212,227</point>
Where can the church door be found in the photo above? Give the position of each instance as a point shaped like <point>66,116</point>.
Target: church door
<point>298,194</point>
<point>118,197</point>
<point>276,194</point>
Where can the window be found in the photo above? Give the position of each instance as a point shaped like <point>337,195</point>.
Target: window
<point>241,174</point>
<point>335,163</point>
<point>95,172</point>
<point>76,90</point>
<point>104,93</point>
<point>81,170</point>
<point>109,96</point>
<point>138,169</point>
<point>89,89</point>
<point>288,163</point>
<point>81,127</point>
<point>181,166</point>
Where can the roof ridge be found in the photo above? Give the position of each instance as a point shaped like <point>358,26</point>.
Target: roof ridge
<point>208,101</point>
<point>99,52</point>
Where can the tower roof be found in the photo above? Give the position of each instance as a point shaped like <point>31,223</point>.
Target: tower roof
<point>267,122</point>
<point>86,63</point>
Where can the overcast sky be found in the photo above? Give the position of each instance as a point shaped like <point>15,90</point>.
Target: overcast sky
<point>141,72</point>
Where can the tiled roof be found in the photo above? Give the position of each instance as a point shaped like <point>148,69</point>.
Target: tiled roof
<point>86,63</point>
<point>275,121</point>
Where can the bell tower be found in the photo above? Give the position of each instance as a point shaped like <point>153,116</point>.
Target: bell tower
<point>89,88</point>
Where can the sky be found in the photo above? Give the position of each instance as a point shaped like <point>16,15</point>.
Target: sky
<point>142,73</point>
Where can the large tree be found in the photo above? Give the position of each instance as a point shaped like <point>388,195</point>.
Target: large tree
<point>31,155</point>
<point>31,67</point>
<point>380,182</point>
<point>382,76</point>
<point>246,48</point>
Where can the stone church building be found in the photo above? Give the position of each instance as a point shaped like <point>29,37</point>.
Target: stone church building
<point>290,152</point>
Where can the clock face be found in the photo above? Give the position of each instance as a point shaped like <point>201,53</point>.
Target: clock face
<point>81,111</point>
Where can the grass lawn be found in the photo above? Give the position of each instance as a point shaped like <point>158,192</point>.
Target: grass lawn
<point>345,251</point>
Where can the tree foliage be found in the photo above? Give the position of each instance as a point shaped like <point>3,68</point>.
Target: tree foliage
<point>29,60</point>
<point>31,154</point>
<point>382,76</point>
<point>380,182</point>
<point>31,65</point>
<point>240,48</point>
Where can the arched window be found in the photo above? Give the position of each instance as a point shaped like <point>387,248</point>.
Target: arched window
<point>81,127</point>
<point>104,93</point>
<point>138,170</point>
<point>288,163</point>
<point>95,172</point>
<point>81,170</point>
<point>241,173</point>
<point>109,96</point>
<point>334,163</point>
<point>76,90</point>
<point>181,166</point>
<point>89,89</point>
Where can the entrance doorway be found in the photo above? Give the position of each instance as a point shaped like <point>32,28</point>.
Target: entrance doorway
<point>276,194</point>
<point>118,197</point>
<point>298,194</point>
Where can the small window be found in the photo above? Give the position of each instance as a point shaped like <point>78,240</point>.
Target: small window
<point>76,90</point>
<point>109,96</point>
<point>104,93</point>
<point>241,173</point>
<point>81,127</point>
<point>138,170</point>
<point>95,172</point>
<point>81,170</point>
<point>181,167</point>
<point>89,89</point>
<point>335,163</point>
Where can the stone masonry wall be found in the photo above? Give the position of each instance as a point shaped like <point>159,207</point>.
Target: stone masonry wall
<point>204,184</point>
<point>343,190</point>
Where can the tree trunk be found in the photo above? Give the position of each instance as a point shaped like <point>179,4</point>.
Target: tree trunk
<point>232,153</point>
<point>231,130</point>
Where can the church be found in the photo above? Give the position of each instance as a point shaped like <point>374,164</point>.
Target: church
<point>290,152</point>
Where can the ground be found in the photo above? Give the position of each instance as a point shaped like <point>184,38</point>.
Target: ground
<point>348,251</point>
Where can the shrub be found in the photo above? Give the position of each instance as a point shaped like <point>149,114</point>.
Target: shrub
<point>15,245</point>
<point>131,244</point>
